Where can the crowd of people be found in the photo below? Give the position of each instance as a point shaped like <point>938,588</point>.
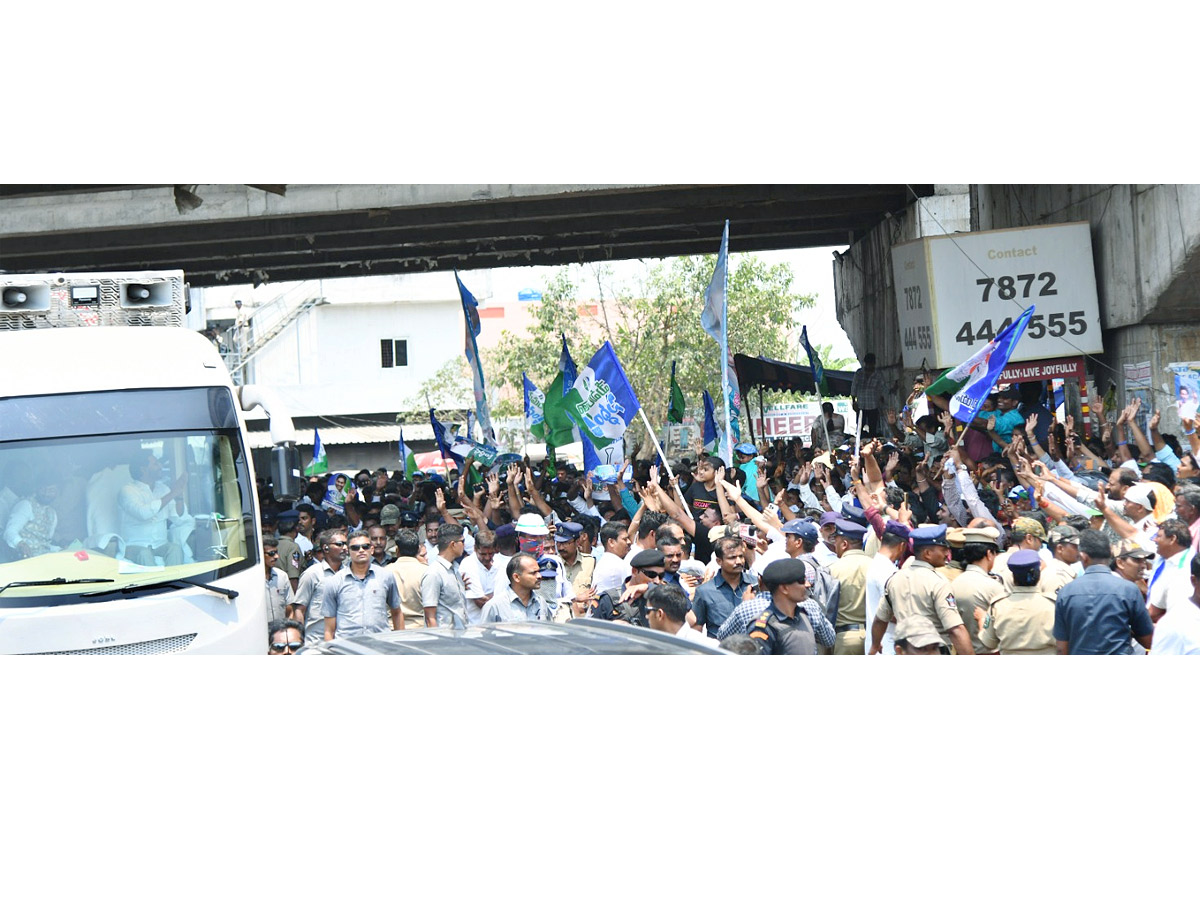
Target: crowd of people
<point>1019,533</point>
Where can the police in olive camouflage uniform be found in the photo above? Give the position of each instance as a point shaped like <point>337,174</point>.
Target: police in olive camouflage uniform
<point>1023,621</point>
<point>918,590</point>
<point>1057,573</point>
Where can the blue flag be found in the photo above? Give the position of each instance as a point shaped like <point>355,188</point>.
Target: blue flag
<point>982,371</point>
<point>407,458</point>
<point>535,416</point>
<point>602,403</point>
<point>710,439</point>
<point>443,442</point>
<point>715,320</point>
<point>471,318</point>
<point>566,365</point>
<point>814,362</point>
<point>319,464</point>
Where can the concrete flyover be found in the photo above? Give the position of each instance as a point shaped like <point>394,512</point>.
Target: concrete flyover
<point>232,234</point>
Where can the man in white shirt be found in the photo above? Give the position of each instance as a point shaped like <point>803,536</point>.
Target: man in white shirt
<point>479,570</point>
<point>883,566</point>
<point>1178,631</point>
<point>1170,583</point>
<point>612,569</point>
<point>144,506</point>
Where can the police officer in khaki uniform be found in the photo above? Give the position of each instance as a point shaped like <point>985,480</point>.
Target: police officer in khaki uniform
<point>954,566</point>
<point>1023,621</point>
<point>916,636</point>
<point>977,587</point>
<point>783,629</point>
<point>1064,544</point>
<point>918,590</point>
<point>850,570</point>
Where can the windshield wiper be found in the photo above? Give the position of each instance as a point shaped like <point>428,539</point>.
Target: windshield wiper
<point>170,582</point>
<point>55,581</point>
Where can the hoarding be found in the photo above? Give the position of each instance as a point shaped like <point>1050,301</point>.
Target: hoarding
<point>955,292</point>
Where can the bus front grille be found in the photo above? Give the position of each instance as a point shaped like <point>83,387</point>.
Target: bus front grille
<point>176,644</point>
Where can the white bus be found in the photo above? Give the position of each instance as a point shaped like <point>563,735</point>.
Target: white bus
<point>99,376</point>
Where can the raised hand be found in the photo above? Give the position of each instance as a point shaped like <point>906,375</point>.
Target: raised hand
<point>1155,419</point>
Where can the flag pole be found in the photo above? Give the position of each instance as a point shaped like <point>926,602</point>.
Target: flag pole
<point>661,455</point>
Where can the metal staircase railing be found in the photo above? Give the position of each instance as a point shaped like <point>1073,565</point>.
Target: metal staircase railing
<point>267,323</point>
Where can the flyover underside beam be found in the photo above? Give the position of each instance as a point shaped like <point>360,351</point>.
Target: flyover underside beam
<point>547,230</point>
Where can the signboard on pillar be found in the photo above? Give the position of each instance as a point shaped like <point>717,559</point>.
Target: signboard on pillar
<point>955,292</point>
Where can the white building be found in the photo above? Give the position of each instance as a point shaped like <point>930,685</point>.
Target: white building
<point>345,354</point>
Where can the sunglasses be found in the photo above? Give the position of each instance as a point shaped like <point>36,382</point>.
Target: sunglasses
<point>337,543</point>
<point>270,553</point>
<point>653,573</point>
<point>357,547</point>
<point>279,648</point>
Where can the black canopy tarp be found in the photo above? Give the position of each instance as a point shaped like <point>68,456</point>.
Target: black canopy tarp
<point>774,375</point>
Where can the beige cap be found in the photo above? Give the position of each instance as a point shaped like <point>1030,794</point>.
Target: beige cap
<point>981,536</point>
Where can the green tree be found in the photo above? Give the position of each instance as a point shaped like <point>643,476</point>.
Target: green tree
<point>449,388</point>
<point>825,353</point>
<point>653,324</point>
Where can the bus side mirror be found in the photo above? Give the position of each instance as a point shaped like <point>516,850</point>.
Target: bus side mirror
<point>285,472</point>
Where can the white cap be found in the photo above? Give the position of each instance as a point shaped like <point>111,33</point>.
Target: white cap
<point>533,524</point>
<point>1141,494</point>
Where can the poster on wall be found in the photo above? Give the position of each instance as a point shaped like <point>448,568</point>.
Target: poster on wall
<point>1186,387</point>
<point>1138,384</point>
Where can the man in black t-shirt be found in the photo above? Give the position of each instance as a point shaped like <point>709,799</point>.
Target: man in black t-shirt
<point>702,499</point>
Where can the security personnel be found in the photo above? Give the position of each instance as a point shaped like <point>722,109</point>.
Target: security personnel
<point>918,590</point>
<point>783,628</point>
<point>1023,621</point>
<point>1064,544</point>
<point>850,569</point>
<point>915,636</point>
<point>977,587</point>
<point>954,566</point>
<point>1025,534</point>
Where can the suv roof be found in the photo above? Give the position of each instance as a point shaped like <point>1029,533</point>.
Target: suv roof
<point>577,637</point>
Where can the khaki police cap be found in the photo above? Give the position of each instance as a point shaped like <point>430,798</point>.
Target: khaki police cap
<point>981,536</point>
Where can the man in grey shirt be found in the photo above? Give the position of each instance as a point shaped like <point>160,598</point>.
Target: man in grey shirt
<point>360,598</point>
<point>443,593</point>
<point>518,601</point>
<point>308,595</point>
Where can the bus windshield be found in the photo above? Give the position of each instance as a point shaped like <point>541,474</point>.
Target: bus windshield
<point>113,489</point>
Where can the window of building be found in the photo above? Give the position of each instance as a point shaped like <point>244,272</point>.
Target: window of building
<point>393,353</point>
